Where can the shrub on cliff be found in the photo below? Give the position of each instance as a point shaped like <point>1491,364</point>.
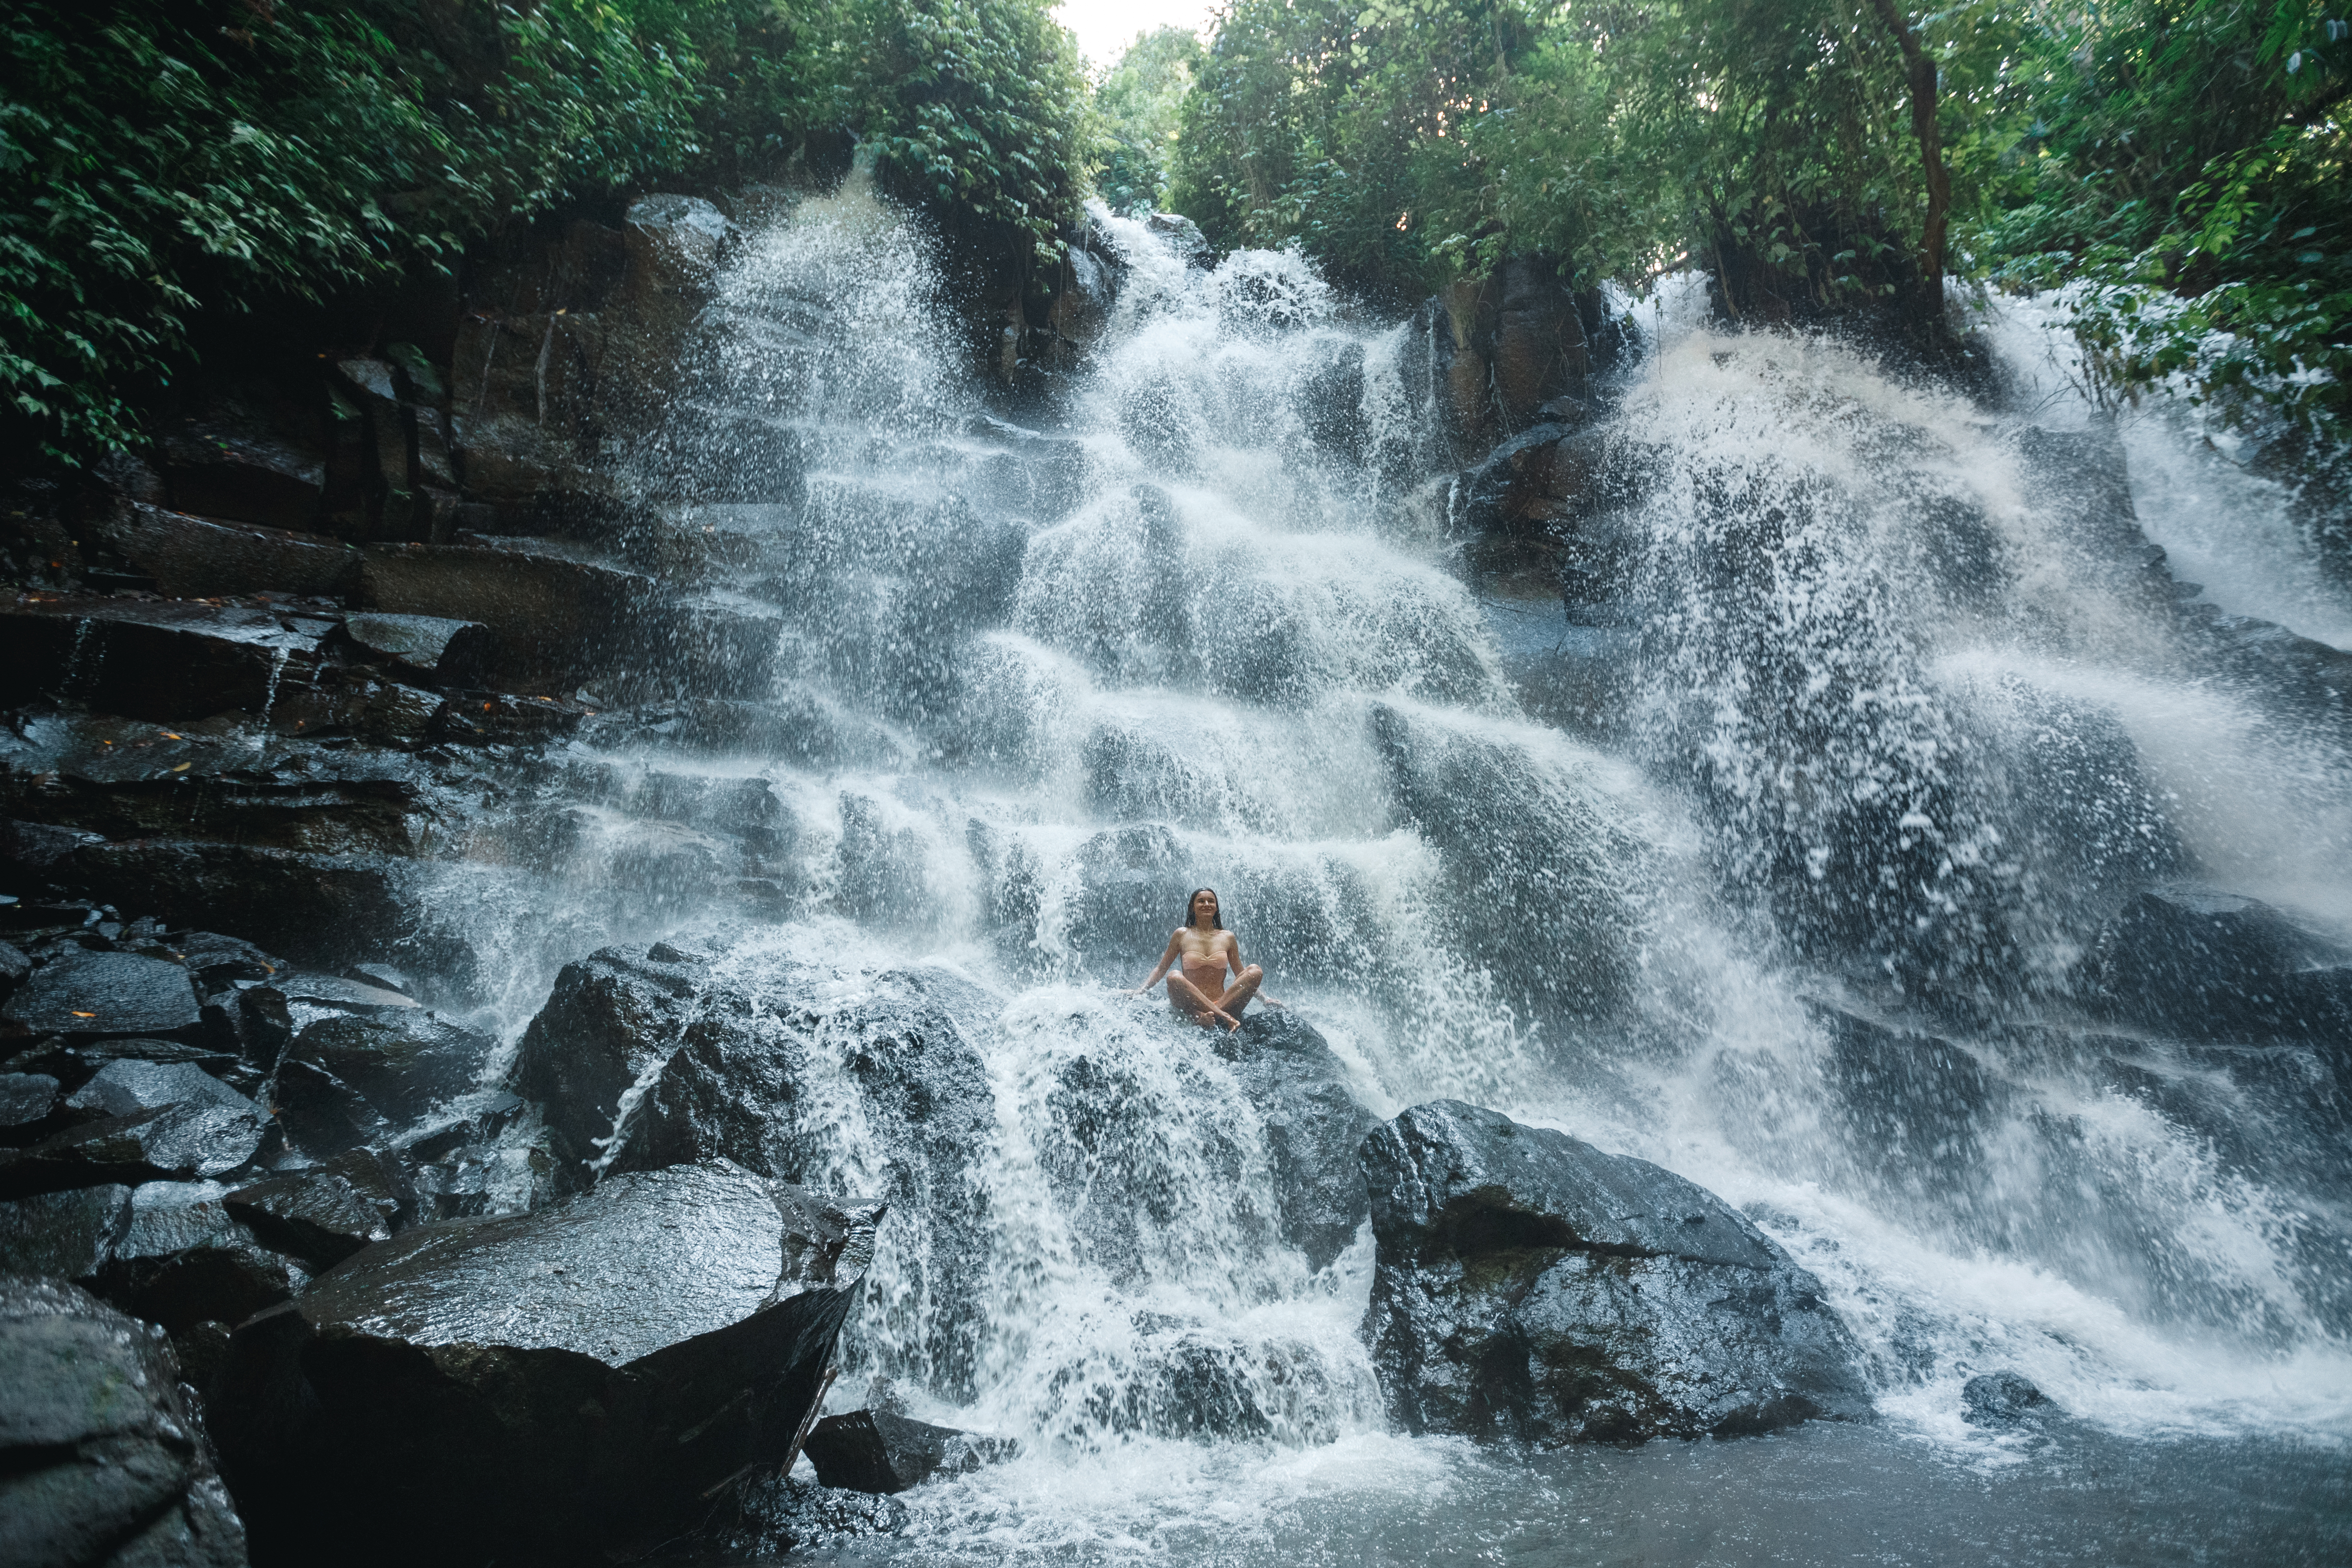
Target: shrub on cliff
<point>163,157</point>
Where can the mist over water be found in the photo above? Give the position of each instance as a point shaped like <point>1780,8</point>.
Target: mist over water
<point>1882,729</point>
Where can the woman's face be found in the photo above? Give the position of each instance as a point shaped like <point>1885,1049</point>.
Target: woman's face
<point>1204,907</point>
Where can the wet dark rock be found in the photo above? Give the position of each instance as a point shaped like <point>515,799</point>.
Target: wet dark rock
<point>2205,965</point>
<point>1190,1381</point>
<point>552,621</point>
<point>82,993</point>
<point>65,1235</point>
<point>549,1387</point>
<point>153,1120</point>
<point>325,1214</point>
<point>324,909</point>
<point>878,1451</point>
<point>2310,674</point>
<point>401,1063</point>
<point>384,976</point>
<point>101,1460</point>
<point>611,1018</point>
<point>74,1064</point>
<point>1313,1128</point>
<point>776,1514</point>
<point>199,558</point>
<point>1915,1106</point>
<point>14,966</point>
<point>26,1101</point>
<point>238,459</point>
<point>180,1259</point>
<point>262,1021</point>
<point>906,1042</point>
<point>498,718</point>
<point>129,1085</point>
<point>154,660</point>
<point>321,1115</point>
<point>317,990</point>
<point>1532,1289</point>
<point>123,779</point>
<point>216,960</point>
<point>433,648</point>
<point>1994,1398</point>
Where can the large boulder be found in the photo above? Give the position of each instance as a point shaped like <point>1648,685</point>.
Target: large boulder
<point>612,1017</point>
<point>550,1387</point>
<point>883,1451</point>
<point>79,992</point>
<point>101,1460</point>
<point>1532,1289</point>
<point>166,661</point>
<point>1313,1128</point>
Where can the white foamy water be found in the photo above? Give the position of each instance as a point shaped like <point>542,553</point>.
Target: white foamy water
<point>1896,736</point>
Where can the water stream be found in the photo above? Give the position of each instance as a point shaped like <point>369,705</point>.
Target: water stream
<point>1876,729</point>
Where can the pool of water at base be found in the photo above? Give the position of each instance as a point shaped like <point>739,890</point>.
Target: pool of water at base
<point>1864,1493</point>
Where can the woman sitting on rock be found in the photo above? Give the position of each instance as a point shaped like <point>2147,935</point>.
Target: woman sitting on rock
<point>1207,951</point>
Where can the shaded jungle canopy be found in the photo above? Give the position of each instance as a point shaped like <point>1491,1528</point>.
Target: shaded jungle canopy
<point>2179,162</point>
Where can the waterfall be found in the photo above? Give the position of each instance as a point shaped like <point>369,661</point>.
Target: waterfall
<point>1888,728</point>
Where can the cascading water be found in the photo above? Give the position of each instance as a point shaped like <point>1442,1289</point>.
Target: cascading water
<point>1885,731</point>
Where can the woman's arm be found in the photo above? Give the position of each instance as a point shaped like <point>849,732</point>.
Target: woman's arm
<point>1175,945</point>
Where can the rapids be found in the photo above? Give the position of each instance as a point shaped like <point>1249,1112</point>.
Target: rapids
<point>1211,628</point>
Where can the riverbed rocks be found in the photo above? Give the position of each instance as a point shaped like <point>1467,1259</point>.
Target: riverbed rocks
<point>541,1388</point>
<point>1532,1289</point>
<point>881,1451</point>
<point>102,1461</point>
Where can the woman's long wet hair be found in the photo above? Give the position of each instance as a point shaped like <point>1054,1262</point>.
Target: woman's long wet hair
<point>1217,920</point>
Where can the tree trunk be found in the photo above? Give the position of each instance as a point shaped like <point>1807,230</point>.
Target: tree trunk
<point>1920,67</point>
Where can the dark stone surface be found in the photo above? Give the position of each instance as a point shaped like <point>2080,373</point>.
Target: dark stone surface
<point>193,558</point>
<point>906,1043</point>
<point>65,1235</point>
<point>2000,1398</point>
<point>552,621</point>
<point>74,1062</point>
<point>401,1063</point>
<point>1915,1107</point>
<point>2202,964</point>
<point>14,966</point>
<point>434,648</point>
<point>549,1387</point>
<point>180,1259</point>
<point>879,1451</point>
<point>610,1016</point>
<point>323,909</point>
<point>1313,1128</point>
<point>1533,1289</point>
<point>25,1100</point>
<point>101,1460</point>
<point>208,1135</point>
<point>163,661</point>
<point>775,1514</point>
<point>79,992</point>
<point>319,1113</point>
<point>323,1214</point>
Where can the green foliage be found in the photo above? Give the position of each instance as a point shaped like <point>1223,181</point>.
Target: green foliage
<point>2185,171</point>
<point>1139,101</point>
<point>159,157</point>
<point>978,104</point>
